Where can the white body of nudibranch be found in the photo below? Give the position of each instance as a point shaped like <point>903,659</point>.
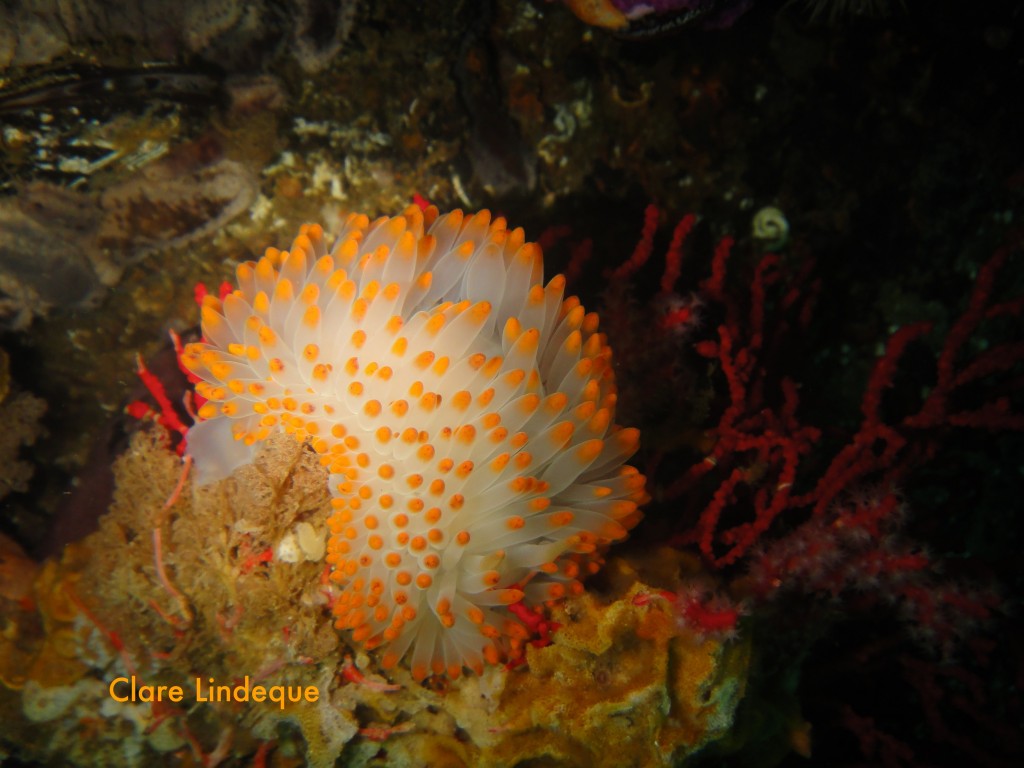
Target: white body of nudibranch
<point>464,410</point>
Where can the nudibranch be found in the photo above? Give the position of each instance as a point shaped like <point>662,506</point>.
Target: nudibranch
<point>465,412</point>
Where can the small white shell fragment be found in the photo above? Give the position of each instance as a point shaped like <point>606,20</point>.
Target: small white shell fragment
<point>311,543</point>
<point>288,550</point>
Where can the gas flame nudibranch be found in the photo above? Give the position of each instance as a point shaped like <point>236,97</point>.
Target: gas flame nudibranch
<point>464,410</point>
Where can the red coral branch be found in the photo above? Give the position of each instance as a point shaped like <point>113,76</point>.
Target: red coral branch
<point>771,446</point>
<point>674,255</point>
<point>644,248</point>
<point>838,536</point>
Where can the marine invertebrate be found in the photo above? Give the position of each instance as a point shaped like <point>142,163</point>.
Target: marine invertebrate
<point>22,412</point>
<point>770,228</point>
<point>464,410</point>
<point>644,18</point>
<point>61,248</point>
<point>225,31</point>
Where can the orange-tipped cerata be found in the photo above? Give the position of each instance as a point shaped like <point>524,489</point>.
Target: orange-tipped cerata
<point>464,409</point>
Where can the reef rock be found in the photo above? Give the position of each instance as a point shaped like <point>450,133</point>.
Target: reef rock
<point>198,588</point>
